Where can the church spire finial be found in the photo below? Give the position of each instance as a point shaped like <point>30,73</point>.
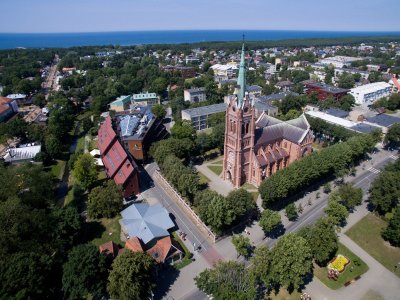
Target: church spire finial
<point>241,82</point>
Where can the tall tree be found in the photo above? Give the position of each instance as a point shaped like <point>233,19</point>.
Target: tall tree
<point>261,265</point>
<point>270,220</point>
<point>85,170</point>
<point>242,245</point>
<point>132,276</point>
<point>227,280</point>
<point>84,272</point>
<point>105,201</point>
<point>337,212</point>
<point>385,191</point>
<point>291,261</point>
<point>350,196</point>
<point>159,111</point>
<point>323,241</point>
<point>392,231</point>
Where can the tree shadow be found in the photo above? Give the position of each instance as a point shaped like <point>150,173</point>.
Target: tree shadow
<point>92,230</point>
<point>166,277</point>
<point>277,232</point>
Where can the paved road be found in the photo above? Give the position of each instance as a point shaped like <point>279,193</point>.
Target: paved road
<point>363,180</point>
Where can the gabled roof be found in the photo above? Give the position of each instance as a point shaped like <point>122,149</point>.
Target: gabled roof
<point>124,172</point>
<point>146,222</point>
<point>106,135</point>
<point>114,158</point>
<point>271,129</point>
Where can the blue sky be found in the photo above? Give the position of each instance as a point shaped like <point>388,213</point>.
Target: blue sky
<point>130,15</point>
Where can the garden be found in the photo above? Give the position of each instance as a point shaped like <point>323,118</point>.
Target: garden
<point>342,270</point>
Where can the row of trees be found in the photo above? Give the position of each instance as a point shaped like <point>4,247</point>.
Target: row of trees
<point>328,131</point>
<point>287,265</point>
<point>215,210</point>
<point>329,161</point>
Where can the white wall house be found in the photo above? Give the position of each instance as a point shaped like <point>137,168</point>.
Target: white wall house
<point>369,93</point>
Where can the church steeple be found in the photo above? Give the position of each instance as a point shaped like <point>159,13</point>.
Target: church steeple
<point>241,82</point>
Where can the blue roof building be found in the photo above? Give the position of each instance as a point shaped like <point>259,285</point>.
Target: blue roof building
<point>146,222</point>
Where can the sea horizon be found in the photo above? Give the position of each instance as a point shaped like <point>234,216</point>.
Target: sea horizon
<point>129,38</point>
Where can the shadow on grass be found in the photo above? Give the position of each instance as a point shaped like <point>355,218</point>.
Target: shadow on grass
<point>92,230</point>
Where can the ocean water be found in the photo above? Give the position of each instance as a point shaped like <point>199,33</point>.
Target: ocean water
<point>62,40</point>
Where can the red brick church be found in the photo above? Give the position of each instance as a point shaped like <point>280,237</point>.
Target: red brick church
<point>257,147</point>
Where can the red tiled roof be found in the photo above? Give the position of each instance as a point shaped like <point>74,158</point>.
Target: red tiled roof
<point>117,164</point>
<point>4,104</point>
<point>158,252</point>
<point>106,135</point>
<point>113,158</point>
<point>109,248</point>
<point>161,249</point>
<point>134,244</point>
<point>124,172</point>
<point>396,82</point>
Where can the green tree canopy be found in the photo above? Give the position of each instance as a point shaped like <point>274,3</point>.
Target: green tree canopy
<point>132,276</point>
<point>270,220</point>
<point>261,265</point>
<point>392,231</point>
<point>85,170</point>
<point>242,244</point>
<point>291,261</point>
<point>337,212</point>
<point>105,201</point>
<point>159,111</point>
<point>227,280</point>
<point>84,272</point>
<point>323,241</point>
<point>350,196</point>
<point>182,130</point>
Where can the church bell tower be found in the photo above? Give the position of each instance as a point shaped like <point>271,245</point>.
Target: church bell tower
<point>239,132</point>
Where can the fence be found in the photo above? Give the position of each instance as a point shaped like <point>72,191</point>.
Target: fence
<point>182,203</point>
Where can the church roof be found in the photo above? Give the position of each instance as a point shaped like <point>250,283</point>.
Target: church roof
<point>271,129</point>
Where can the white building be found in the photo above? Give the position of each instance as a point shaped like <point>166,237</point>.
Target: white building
<point>195,95</point>
<point>339,61</point>
<point>340,71</point>
<point>228,70</point>
<point>23,153</point>
<point>367,94</point>
<point>199,116</point>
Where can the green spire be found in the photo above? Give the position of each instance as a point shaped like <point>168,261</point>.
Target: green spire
<point>241,82</point>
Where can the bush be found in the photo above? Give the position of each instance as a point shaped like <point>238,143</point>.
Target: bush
<point>291,212</point>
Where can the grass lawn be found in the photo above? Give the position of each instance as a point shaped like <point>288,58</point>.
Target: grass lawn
<point>367,234</point>
<point>103,230</point>
<point>352,270</point>
<point>249,186</point>
<point>203,178</point>
<point>58,169</point>
<point>255,195</point>
<point>80,146</point>
<point>216,169</point>
<point>187,258</point>
<point>217,162</point>
<point>284,295</point>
